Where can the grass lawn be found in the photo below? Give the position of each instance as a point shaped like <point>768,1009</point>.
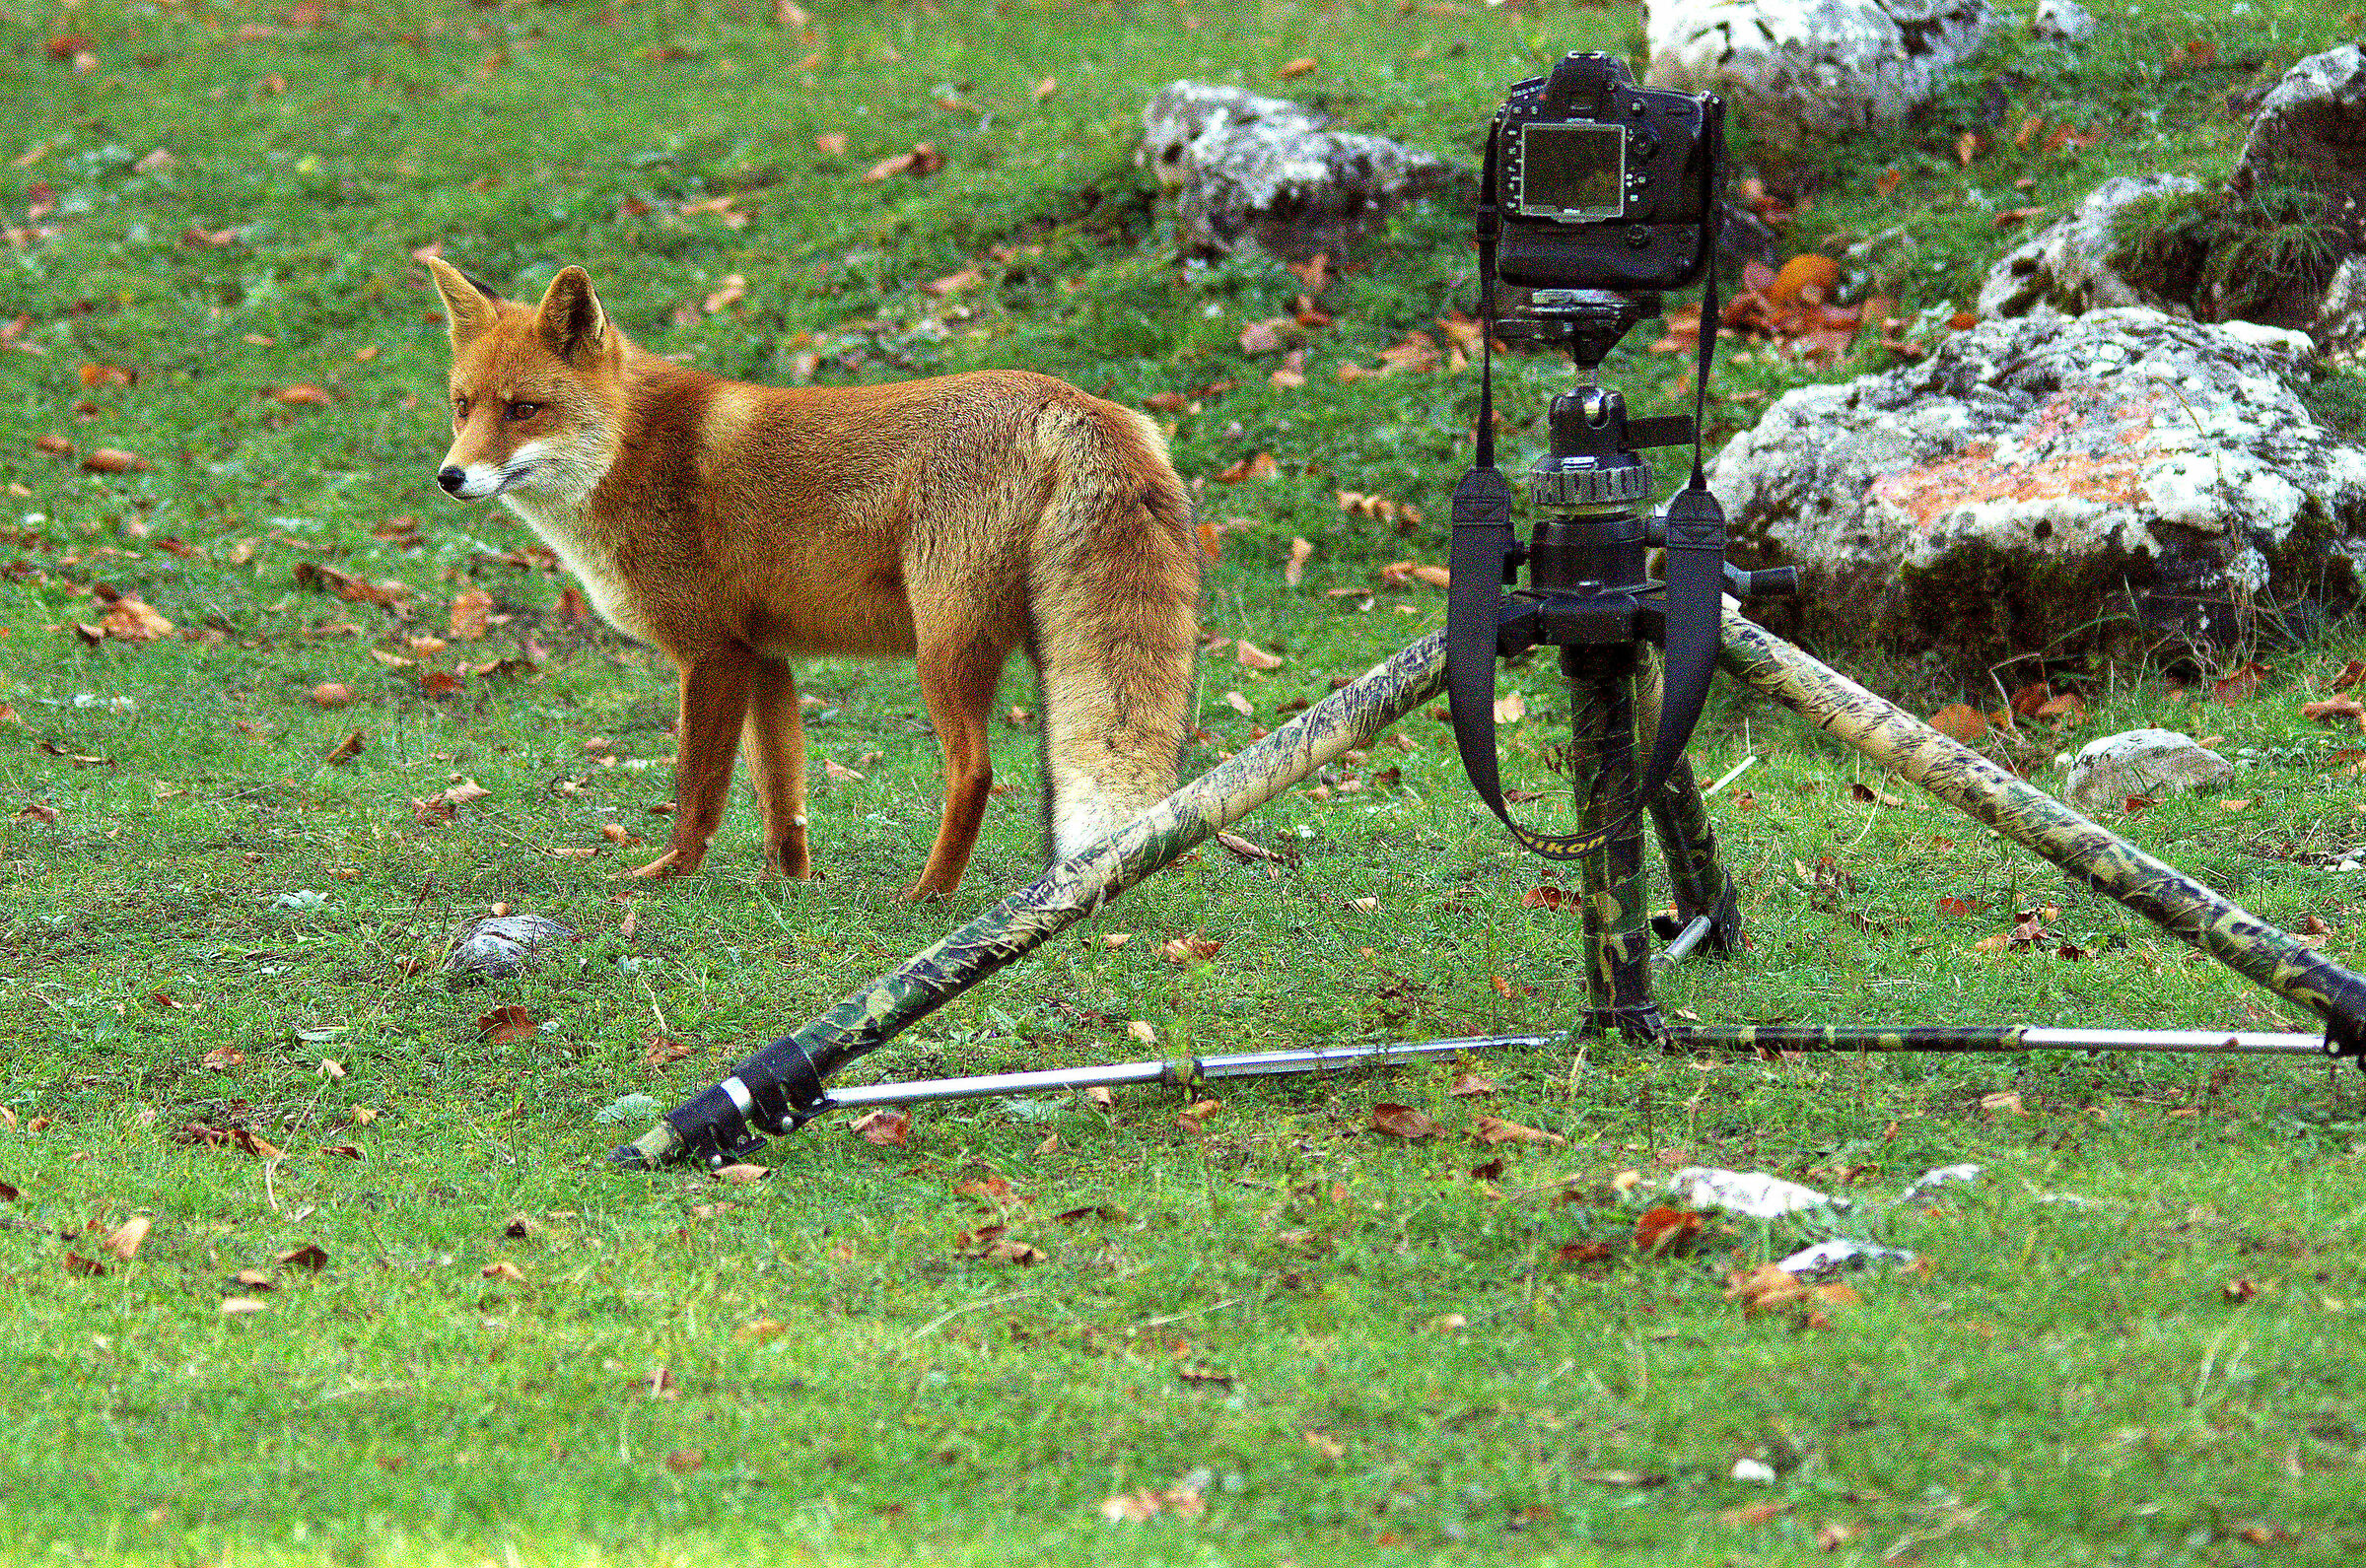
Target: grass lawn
<point>306,1255</point>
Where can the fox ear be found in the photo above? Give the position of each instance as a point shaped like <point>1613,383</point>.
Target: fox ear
<point>469,306</point>
<point>571,320</point>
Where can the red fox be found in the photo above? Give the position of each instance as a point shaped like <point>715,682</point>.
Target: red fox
<point>738,527</point>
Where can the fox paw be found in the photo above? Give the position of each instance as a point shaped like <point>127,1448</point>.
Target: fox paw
<point>670,863</point>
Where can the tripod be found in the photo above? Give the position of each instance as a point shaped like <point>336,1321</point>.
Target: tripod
<point>1590,596</point>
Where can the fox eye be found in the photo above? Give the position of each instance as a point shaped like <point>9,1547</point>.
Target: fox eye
<point>524,410</point>
<point>459,408</point>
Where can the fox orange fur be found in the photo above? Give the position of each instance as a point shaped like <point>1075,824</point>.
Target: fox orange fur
<point>738,528</point>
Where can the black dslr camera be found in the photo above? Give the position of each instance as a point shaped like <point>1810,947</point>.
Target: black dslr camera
<point>1604,184</point>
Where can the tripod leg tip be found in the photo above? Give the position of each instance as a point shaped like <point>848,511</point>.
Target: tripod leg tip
<point>659,1146</point>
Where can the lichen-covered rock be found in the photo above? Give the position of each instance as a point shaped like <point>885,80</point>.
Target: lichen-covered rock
<point>1801,68</point>
<point>1266,171</point>
<point>2054,485</point>
<point>2150,763</point>
<point>2071,268</point>
<point>2310,133</point>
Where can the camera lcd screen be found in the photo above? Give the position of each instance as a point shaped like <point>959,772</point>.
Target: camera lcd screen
<point>1573,171</point>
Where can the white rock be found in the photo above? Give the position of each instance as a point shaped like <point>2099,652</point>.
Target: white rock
<point>1255,170</point>
<point>2067,269</point>
<point>2139,762</point>
<point>1799,68</point>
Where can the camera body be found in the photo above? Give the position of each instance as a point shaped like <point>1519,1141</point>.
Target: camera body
<point>1604,184</point>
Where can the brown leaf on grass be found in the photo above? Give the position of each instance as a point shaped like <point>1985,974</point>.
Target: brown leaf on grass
<point>247,1141</point>
<point>741,1174</point>
<point>1468,1084</point>
<point>388,596</point>
<point>1290,70</point>
<point>1582,1252</point>
<point>2240,1289</point>
<point>2241,681</point>
<point>1495,1129</point>
<point>1404,1121</point>
<point>471,614</point>
<point>1766,1288</point>
<point>1549,896</point>
<point>1259,466</point>
<point>1300,552</point>
<point>303,394</point>
<point>506,1025</point>
<point>662,1050</point>
<point>344,751</point>
<point>1664,1231</point>
<point>2334,710</point>
<point>113,460</point>
<point>331,694</point>
<point>884,1126</point>
<point>923,159</point>
<point>831,144</point>
<point>2351,673</point>
<point>1246,652</point>
<point>998,1249</point>
<point>128,619</point>
<point>1246,849</point>
<point>1190,949</point>
<point>502,1268</point>
<point>1962,724</point>
<point>1269,335</point>
<point>222,1059</point>
<point>124,1240</point>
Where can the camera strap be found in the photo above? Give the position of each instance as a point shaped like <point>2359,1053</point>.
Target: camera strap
<point>1482,559</point>
<point>1694,595</point>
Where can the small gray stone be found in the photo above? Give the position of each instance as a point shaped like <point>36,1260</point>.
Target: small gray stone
<point>2061,22</point>
<point>501,945</point>
<point>2139,762</point>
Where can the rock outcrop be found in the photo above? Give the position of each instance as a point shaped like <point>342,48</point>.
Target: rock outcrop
<point>2121,478</point>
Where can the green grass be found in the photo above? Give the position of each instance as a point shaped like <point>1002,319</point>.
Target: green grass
<point>1348,1348</point>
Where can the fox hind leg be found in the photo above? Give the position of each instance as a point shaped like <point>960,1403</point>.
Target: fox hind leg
<point>957,679</point>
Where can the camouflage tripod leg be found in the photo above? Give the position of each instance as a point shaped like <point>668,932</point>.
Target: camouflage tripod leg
<point>1601,763</point>
<point>2027,815</point>
<point>1696,876</point>
<point>776,1089</point>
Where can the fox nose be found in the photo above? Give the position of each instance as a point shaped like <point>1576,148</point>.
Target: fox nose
<point>451,479</point>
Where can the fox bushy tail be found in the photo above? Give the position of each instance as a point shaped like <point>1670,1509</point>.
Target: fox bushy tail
<point>1114,587</point>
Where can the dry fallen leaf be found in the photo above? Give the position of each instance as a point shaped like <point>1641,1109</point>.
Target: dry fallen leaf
<point>1495,1129</point>
<point>1404,1121</point>
<point>884,1126</point>
<point>124,1240</point>
<point>1666,1230</point>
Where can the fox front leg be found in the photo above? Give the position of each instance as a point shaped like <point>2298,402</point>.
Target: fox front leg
<point>715,688</point>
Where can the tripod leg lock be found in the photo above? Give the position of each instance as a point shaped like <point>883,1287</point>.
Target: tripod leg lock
<point>773,1092</point>
<point>2345,1036</point>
